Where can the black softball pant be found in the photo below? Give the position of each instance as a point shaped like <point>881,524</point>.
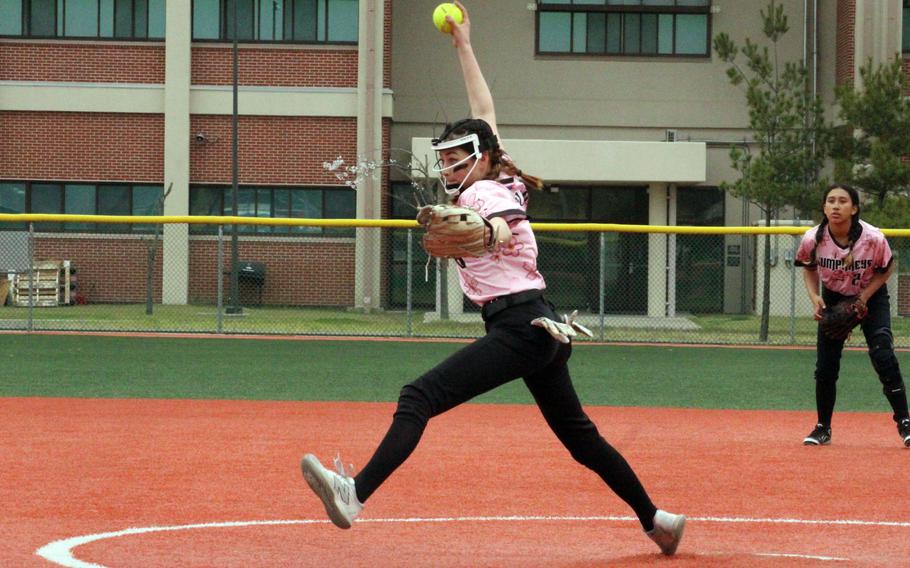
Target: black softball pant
<point>512,348</point>
<point>876,328</point>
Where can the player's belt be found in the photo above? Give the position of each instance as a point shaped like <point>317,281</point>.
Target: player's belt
<point>497,305</point>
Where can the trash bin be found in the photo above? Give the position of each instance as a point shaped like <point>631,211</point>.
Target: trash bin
<point>250,281</point>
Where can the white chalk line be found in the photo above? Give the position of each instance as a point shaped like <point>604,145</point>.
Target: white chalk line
<point>60,552</point>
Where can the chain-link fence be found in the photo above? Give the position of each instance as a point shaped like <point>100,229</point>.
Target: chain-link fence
<point>372,278</point>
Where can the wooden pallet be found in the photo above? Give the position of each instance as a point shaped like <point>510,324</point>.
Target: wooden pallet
<point>48,286</point>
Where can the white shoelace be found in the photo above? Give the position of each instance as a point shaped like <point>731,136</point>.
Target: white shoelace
<point>339,467</point>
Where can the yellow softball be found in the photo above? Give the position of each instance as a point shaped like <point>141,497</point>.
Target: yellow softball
<point>443,10</point>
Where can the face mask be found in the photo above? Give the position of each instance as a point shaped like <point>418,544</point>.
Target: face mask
<point>454,188</point>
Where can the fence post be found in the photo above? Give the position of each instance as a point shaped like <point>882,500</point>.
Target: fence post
<point>31,277</point>
<point>409,284</point>
<point>792,264</point>
<point>219,312</point>
<point>601,286</point>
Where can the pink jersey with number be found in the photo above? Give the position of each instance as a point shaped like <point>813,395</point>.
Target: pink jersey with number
<point>871,253</point>
<point>505,270</point>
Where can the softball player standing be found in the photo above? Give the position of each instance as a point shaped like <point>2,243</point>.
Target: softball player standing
<point>525,338</point>
<point>850,257</point>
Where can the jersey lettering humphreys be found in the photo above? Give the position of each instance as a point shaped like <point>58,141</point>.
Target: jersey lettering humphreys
<point>509,269</point>
<point>871,254</point>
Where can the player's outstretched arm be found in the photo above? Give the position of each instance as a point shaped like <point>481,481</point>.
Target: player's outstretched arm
<point>479,96</point>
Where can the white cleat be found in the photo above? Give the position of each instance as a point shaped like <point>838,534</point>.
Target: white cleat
<point>335,489</point>
<point>667,531</point>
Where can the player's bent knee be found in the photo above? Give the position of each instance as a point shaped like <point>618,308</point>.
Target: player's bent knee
<point>413,405</point>
<point>826,377</point>
<point>884,361</point>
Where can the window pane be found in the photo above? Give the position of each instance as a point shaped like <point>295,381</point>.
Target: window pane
<point>123,18</point>
<point>597,32</point>
<point>320,20</point>
<point>140,18</point>
<point>579,32</point>
<point>81,18</point>
<point>157,18</point>
<point>692,2</point>
<point>281,208</point>
<point>146,200</point>
<point>614,33</point>
<point>303,21</point>
<point>658,2</point>
<point>205,201</point>
<point>306,204</point>
<point>906,35</point>
<point>246,202</point>
<point>79,200</point>
<point>665,33</point>
<point>246,206</point>
<point>106,15</point>
<point>554,32</point>
<point>114,200</point>
<point>340,204</point>
<point>699,206</point>
<point>619,205</point>
<point>343,15</point>
<point>560,204</point>
<point>12,197</point>
<point>41,18</point>
<point>263,208</point>
<point>205,19</point>
<point>245,16</point>
<point>692,34</point>
<point>11,23</point>
<point>271,18</point>
<point>631,38</point>
<point>649,33</point>
<point>47,198</point>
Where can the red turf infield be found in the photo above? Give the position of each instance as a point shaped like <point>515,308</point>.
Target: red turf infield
<point>80,467</point>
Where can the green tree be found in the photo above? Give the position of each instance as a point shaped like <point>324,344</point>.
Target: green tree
<point>781,167</point>
<point>869,149</point>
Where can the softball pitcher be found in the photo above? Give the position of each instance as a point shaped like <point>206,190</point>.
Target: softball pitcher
<point>525,338</point>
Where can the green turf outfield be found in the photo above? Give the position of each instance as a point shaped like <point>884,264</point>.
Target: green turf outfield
<point>278,369</point>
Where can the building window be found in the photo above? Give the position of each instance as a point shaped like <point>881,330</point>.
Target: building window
<point>293,21</point>
<point>114,19</point>
<point>700,258</point>
<point>906,28</point>
<point>624,27</point>
<point>81,199</point>
<point>276,202</point>
<point>571,261</point>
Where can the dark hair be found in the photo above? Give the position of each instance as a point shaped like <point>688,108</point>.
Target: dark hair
<point>499,160</point>
<point>466,126</point>
<point>855,228</point>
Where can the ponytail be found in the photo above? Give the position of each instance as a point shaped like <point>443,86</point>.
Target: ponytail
<point>818,238</point>
<point>501,162</point>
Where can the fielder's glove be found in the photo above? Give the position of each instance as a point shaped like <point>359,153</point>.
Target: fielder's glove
<point>564,330</point>
<point>839,320</point>
<point>455,232</point>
